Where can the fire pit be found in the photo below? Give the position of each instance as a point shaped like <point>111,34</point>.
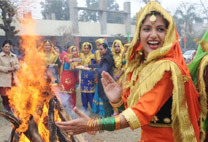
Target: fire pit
<point>35,107</point>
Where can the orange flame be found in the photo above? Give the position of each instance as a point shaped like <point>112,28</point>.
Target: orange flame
<point>27,96</point>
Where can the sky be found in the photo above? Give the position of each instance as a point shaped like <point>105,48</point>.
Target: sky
<point>136,5</point>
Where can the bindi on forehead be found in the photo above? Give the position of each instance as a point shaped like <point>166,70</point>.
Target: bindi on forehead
<point>158,21</point>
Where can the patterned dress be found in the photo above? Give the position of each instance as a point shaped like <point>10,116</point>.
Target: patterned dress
<point>69,78</point>
<point>87,81</point>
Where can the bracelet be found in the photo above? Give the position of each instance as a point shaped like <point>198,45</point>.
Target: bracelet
<point>100,126</point>
<point>108,123</point>
<point>117,122</point>
<point>117,105</point>
<point>91,126</point>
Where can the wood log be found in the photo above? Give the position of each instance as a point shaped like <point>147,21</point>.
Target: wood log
<point>63,137</point>
<point>11,138</point>
<point>11,118</point>
<point>51,124</point>
<point>65,117</point>
<point>32,132</point>
<point>62,113</point>
<point>14,137</point>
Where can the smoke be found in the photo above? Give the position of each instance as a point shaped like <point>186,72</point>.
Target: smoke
<point>64,98</point>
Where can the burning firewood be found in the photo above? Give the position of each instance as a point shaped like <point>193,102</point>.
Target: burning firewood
<point>31,133</point>
<point>51,125</point>
<point>32,99</point>
<point>55,134</point>
<point>64,117</point>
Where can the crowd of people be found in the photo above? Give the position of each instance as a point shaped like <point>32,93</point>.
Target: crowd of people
<point>71,69</point>
<point>145,83</point>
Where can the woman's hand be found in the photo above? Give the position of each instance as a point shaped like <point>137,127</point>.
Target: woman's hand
<point>12,69</point>
<point>75,126</point>
<point>112,90</point>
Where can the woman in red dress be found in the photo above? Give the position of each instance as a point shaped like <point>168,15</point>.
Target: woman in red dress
<point>69,75</point>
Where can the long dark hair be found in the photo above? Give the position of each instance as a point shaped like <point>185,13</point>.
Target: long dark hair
<point>7,42</point>
<point>59,47</point>
<point>105,45</point>
<point>108,53</point>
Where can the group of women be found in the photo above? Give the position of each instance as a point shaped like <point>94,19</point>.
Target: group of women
<point>63,70</point>
<point>158,93</point>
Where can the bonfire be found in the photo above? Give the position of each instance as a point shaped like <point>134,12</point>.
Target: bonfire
<point>35,106</point>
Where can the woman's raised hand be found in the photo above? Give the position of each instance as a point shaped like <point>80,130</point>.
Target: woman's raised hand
<point>75,126</point>
<point>112,90</point>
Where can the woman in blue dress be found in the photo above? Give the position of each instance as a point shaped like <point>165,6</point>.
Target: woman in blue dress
<point>87,76</point>
<point>106,64</point>
<point>97,104</point>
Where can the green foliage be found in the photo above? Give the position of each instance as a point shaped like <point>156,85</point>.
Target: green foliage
<point>93,16</point>
<point>114,17</point>
<point>59,7</point>
<point>185,17</point>
<point>7,14</point>
<point>90,15</point>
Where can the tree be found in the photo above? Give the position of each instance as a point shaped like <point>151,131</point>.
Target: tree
<point>7,14</point>
<point>185,18</point>
<point>59,7</point>
<point>205,11</point>
<point>90,15</point>
<point>94,16</point>
<point>114,17</point>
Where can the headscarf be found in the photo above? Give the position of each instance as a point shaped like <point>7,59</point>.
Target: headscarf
<point>200,53</point>
<point>70,56</point>
<point>118,57</point>
<point>70,52</point>
<point>127,45</point>
<point>197,68</point>
<point>86,59</point>
<point>168,58</point>
<point>51,59</point>
<point>101,41</point>
<point>120,45</point>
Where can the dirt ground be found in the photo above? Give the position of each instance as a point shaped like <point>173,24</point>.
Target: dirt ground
<point>125,135</point>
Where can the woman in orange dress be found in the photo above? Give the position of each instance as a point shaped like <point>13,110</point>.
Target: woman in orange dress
<point>158,94</point>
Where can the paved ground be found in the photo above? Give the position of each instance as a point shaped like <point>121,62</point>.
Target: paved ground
<point>125,135</point>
